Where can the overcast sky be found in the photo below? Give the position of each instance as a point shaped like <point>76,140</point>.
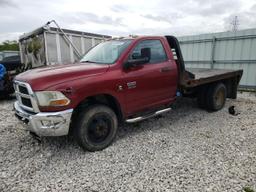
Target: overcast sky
<point>124,17</point>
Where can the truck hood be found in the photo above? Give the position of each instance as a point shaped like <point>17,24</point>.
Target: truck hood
<point>43,78</point>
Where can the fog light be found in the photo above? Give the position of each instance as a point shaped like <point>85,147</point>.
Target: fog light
<point>52,124</point>
<point>47,123</point>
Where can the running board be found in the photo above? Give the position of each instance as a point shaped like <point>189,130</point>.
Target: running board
<point>137,119</point>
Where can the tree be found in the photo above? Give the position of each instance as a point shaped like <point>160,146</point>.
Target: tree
<point>9,46</point>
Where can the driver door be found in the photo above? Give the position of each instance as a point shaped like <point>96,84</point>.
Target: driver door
<point>151,84</point>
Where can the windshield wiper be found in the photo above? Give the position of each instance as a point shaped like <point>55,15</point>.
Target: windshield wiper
<point>87,61</point>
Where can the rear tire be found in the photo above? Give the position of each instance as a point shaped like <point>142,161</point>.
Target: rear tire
<point>216,97</point>
<point>96,127</point>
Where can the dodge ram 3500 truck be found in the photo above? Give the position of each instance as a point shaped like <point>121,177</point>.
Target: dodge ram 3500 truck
<point>119,80</point>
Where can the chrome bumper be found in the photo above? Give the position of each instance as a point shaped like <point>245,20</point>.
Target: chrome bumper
<point>45,123</point>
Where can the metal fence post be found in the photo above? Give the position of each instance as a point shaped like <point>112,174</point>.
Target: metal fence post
<point>213,51</point>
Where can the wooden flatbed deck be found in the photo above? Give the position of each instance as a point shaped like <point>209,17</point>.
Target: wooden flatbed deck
<point>204,76</point>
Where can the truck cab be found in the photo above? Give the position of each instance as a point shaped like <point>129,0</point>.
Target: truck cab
<point>119,80</point>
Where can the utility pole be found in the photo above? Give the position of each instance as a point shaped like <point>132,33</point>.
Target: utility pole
<point>235,24</point>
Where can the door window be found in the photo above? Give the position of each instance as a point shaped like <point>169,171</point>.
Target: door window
<point>158,54</point>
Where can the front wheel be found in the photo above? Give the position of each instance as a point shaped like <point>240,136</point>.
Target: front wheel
<point>96,127</point>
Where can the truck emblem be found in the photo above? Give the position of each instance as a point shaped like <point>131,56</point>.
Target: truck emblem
<point>131,85</point>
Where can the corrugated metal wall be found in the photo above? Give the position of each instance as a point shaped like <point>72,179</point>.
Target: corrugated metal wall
<point>226,50</point>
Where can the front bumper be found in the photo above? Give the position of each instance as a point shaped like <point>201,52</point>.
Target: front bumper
<point>45,123</point>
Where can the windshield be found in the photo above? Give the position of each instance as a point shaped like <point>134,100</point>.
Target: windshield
<point>106,52</point>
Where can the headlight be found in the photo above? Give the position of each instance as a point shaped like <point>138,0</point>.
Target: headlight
<point>51,98</point>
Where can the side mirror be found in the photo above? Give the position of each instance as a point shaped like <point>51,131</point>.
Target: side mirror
<point>135,62</point>
<point>142,59</point>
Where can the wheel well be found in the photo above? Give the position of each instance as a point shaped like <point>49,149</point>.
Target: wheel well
<point>104,99</point>
<point>231,85</point>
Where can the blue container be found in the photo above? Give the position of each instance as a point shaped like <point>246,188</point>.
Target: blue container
<point>2,73</point>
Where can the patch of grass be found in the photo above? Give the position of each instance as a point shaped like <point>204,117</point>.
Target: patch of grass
<point>248,189</point>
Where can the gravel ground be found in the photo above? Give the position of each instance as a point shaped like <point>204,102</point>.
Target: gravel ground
<point>187,149</point>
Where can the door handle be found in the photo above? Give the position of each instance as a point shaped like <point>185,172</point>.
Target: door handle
<point>165,69</point>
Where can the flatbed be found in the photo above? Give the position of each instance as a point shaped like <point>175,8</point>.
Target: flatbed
<point>204,76</point>
<point>196,81</point>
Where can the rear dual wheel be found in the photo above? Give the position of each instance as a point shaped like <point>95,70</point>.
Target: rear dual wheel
<point>212,98</point>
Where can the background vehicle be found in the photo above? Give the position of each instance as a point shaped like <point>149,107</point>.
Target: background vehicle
<point>11,66</point>
<point>127,79</point>
<point>4,54</point>
<point>52,45</point>
<point>12,62</point>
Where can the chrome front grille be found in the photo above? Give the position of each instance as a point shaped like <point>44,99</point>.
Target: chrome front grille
<point>25,96</point>
<point>23,90</point>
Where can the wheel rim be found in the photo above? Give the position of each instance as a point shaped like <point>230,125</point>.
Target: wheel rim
<point>99,128</point>
<point>219,98</point>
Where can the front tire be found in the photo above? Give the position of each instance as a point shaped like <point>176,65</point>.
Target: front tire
<point>96,127</point>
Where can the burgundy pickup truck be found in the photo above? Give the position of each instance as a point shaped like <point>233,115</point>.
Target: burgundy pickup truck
<point>119,80</point>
